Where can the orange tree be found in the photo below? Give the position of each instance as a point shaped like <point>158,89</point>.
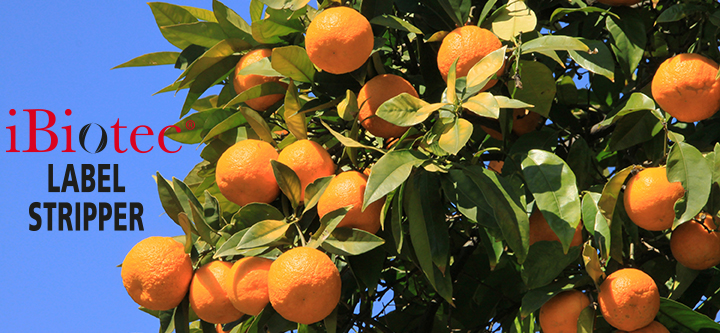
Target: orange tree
<point>562,92</point>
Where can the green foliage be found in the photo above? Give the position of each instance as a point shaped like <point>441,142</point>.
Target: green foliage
<point>454,251</point>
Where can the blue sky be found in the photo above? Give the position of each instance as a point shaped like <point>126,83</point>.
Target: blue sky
<point>57,56</point>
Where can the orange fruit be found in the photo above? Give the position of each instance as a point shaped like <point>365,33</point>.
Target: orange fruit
<point>219,329</point>
<point>650,199</point>
<point>245,82</point>
<point>561,313</point>
<point>524,122</point>
<point>244,173</point>
<point>348,188</point>
<point>469,44</point>
<point>685,87</point>
<point>629,299</point>
<point>156,273</point>
<point>309,160</point>
<point>695,245</point>
<point>208,296</point>
<point>496,166</point>
<point>246,284</point>
<point>304,285</point>
<point>373,94</point>
<point>339,40</point>
<point>540,230</point>
<point>654,327</point>
<point>619,2</point>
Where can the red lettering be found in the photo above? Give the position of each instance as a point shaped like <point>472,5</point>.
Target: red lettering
<point>133,142</point>
<point>34,129</point>
<point>116,135</point>
<point>161,138</point>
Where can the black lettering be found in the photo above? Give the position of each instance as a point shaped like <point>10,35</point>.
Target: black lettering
<point>35,216</point>
<point>51,188</point>
<point>87,217</point>
<point>102,177</point>
<point>70,179</point>
<point>136,216</point>
<point>77,216</point>
<point>88,174</point>
<point>116,181</point>
<point>120,216</point>
<point>105,214</point>
<point>49,206</point>
<point>64,212</point>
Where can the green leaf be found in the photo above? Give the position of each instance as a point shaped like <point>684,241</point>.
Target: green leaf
<point>263,233</point>
<point>611,192</point>
<point>168,199</point>
<point>674,315</point>
<point>256,10</point>
<point>685,164</point>
<point>151,59</point>
<point>457,10</point>
<point>190,127</point>
<point>595,223</point>
<point>255,212</point>
<point>214,55</point>
<point>271,30</point>
<point>201,13</point>
<point>538,86</point>
<point>351,242</point>
<point>389,172</point>
<point>294,121</point>
<point>293,62</point>
<point>563,11</point>
<point>485,11</point>
<point>166,15</point>
<point>629,38</point>
<point>554,187</point>
<point>258,124</point>
<point>368,268</point>
<point>592,264</point>
<point>456,136</point>
<point>406,110</point>
<point>395,22</point>
<point>314,190</point>
<point>205,34</point>
<point>545,261</point>
<point>261,67</point>
<point>514,19</point>
<point>232,122</point>
<point>208,78</point>
<point>713,159</point>
<point>483,71</point>
<point>534,299</point>
<point>288,181</point>
<point>598,59</point>
<point>508,103</point>
<point>348,107</point>
<point>286,4</point>
<point>483,104</point>
<point>636,102</point>
<point>348,142</point>
<point>586,321</point>
<point>554,43</point>
<point>450,92</point>
<point>231,23</point>
<point>634,128</point>
<point>469,198</point>
<point>679,12</point>
<point>184,222</point>
<point>204,230</point>
<point>268,88</point>
<point>328,223</point>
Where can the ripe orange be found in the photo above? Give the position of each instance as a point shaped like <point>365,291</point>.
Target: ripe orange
<point>540,230</point>
<point>304,285</point>
<point>339,40</point>
<point>469,43</point>
<point>156,273</point>
<point>246,284</point>
<point>348,188</point>
<point>373,94</point>
<point>309,160</point>
<point>619,2</point>
<point>208,296</point>
<point>524,122</point>
<point>244,173</point>
<point>245,82</point>
<point>654,327</point>
<point>629,299</point>
<point>219,329</point>
<point>561,313</point>
<point>685,87</point>
<point>650,199</point>
<point>695,245</point>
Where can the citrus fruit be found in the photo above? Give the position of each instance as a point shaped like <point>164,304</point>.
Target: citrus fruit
<point>469,44</point>
<point>524,122</point>
<point>244,173</point>
<point>339,40</point>
<point>629,299</point>
<point>560,314</point>
<point>695,245</point>
<point>654,327</point>
<point>650,199</point>
<point>619,2</point>
<point>208,296</point>
<point>242,83</point>
<point>156,273</point>
<point>496,166</point>
<point>685,87</point>
<point>309,160</point>
<point>348,188</point>
<point>373,94</point>
<point>304,285</point>
<point>219,329</point>
<point>540,230</point>
<point>246,284</point>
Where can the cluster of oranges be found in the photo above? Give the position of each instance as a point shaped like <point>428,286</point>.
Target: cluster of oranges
<point>303,284</point>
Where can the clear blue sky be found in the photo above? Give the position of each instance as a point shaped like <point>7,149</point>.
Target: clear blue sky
<point>57,56</point>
